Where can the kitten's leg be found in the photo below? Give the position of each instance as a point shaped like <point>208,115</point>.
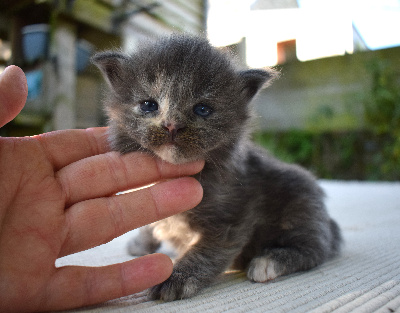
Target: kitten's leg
<point>278,262</point>
<point>144,243</point>
<point>195,270</point>
<point>299,254</point>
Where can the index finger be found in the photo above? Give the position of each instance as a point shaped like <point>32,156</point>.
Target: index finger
<point>109,173</point>
<point>64,147</point>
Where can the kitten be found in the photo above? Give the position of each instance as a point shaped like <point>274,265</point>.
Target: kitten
<point>184,100</point>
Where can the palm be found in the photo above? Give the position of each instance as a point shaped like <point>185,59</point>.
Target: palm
<point>36,203</point>
<point>37,198</point>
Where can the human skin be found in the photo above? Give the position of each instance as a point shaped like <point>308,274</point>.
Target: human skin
<point>58,197</point>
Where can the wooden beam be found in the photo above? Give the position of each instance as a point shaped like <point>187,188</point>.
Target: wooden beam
<point>93,13</point>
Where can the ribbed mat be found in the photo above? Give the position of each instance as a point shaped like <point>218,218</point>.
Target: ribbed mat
<point>365,278</point>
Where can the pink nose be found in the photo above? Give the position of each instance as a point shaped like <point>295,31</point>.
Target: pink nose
<point>173,128</point>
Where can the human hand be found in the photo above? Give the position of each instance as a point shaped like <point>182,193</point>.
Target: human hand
<point>58,197</point>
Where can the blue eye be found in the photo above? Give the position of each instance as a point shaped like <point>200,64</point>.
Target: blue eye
<point>202,110</point>
<point>149,106</point>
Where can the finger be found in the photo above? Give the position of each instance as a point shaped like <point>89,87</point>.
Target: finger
<point>13,93</point>
<point>94,222</point>
<point>67,146</point>
<point>109,173</point>
<point>74,287</point>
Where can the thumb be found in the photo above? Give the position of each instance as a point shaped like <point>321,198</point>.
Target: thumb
<point>13,93</point>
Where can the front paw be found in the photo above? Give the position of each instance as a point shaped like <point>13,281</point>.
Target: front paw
<point>178,286</point>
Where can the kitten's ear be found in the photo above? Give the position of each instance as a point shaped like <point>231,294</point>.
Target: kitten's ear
<point>112,65</point>
<point>256,79</point>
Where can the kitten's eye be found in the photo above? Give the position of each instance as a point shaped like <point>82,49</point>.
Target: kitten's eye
<point>149,106</point>
<point>202,110</point>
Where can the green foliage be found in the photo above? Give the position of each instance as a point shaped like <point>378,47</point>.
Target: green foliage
<point>293,146</point>
<point>350,155</point>
<point>382,106</point>
<point>382,115</point>
<point>329,155</point>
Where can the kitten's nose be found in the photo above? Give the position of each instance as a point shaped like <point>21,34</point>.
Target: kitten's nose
<point>172,128</point>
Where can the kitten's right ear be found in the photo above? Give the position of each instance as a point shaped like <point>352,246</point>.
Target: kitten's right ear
<point>256,79</point>
<point>112,65</point>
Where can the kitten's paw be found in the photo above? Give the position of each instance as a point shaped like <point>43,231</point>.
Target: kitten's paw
<point>262,269</point>
<point>176,287</point>
<point>136,247</point>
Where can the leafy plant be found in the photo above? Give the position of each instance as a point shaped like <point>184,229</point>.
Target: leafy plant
<point>382,115</point>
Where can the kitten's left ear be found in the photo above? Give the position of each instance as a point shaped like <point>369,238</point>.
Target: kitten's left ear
<point>256,79</point>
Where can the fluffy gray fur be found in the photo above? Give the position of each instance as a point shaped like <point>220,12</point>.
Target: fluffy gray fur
<point>183,100</point>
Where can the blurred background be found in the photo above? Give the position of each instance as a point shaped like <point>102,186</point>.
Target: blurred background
<point>335,108</point>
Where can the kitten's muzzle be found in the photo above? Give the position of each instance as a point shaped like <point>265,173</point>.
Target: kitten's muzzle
<point>173,128</point>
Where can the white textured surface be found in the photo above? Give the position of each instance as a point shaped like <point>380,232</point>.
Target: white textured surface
<point>365,278</point>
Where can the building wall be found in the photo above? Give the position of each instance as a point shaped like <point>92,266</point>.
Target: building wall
<point>324,94</point>
<point>168,17</point>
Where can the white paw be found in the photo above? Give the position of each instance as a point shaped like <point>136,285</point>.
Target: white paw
<point>262,269</point>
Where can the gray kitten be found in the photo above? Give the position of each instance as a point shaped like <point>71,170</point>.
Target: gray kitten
<point>183,100</point>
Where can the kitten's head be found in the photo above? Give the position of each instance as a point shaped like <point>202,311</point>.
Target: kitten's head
<point>180,98</point>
